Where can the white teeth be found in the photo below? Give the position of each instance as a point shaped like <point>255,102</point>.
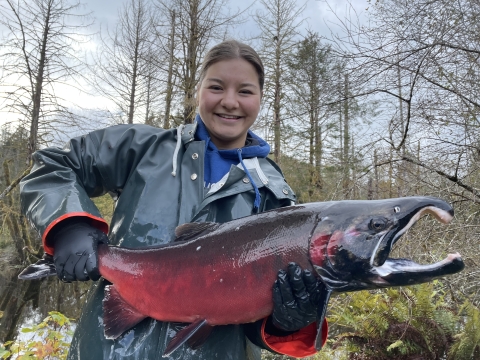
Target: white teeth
<point>229,116</point>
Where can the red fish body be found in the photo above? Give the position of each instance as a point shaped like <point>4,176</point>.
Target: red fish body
<point>225,277</point>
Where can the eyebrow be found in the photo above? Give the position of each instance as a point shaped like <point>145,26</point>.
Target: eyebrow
<point>221,82</point>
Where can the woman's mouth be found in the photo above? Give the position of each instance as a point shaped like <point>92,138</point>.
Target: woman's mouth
<point>229,117</point>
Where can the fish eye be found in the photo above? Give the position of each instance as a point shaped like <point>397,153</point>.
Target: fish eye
<point>396,209</point>
<point>377,224</point>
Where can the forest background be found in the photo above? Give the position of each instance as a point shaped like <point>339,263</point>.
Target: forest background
<point>384,104</point>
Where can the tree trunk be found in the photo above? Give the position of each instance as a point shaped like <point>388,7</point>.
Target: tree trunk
<point>13,308</point>
<point>311,154</point>
<point>13,304</point>
<point>133,87</point>
<point>12,220</point>
<point>401,168</point>
<point>346,143</point>
<point>377,180</point>
<point>168,98</point>
<point>318,156</point>
<point>37,87</point>
<point>148,120</point>
<point>390,172</point>
<point>370,189</point>
<point>276,105</point>
<point>189,99</point>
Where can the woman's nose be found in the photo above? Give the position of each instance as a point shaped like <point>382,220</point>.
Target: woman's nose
<point>229,100</point>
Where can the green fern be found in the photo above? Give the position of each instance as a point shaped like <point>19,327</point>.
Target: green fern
<point>395,323</point>
<point>467,344</point>
<point>418,322</point>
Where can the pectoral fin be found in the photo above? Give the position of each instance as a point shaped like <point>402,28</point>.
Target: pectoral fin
<point>194,335</point>
<point>118,315</point>
<point>321,313</point>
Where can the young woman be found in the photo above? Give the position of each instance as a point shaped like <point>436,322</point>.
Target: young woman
<point>213,170</point>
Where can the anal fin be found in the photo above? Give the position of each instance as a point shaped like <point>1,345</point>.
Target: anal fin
<point>118,315</point>
<point>322,329</point>
<point>194,335</point>
<point>200,337</point>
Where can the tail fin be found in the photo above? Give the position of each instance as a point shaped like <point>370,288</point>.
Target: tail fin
<point>41,269</point>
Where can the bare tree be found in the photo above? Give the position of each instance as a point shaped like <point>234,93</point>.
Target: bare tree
<point>279,23</point>
<point>311,80</point>
<point>421,58</point>
<point>197,24</point>
<point>170,79</point>
<point>39,53</point>
<point>168,43</point>
<point>122,69</point>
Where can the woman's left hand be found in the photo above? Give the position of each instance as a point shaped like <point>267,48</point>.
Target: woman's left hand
<point>296,297</point>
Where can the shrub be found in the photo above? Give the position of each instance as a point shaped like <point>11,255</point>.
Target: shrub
<point>49,340</point>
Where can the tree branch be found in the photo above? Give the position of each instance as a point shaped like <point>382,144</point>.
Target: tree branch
<point>14,183</point>
<point>453,179</point>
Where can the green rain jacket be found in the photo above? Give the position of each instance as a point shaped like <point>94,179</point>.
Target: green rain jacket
<point>156,179</point>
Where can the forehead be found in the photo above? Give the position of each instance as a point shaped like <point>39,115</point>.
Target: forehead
<point>235,70</point>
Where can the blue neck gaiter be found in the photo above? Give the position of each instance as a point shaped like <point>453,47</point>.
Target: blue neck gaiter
<point>218,162</point>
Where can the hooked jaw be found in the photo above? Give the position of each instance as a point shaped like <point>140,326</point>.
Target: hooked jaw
<point>386,242</point>
<point>398,272</point>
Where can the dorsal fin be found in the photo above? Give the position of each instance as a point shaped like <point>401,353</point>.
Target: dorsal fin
<point>191,231</point>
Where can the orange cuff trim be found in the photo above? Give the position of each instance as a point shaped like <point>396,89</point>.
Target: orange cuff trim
<point>299,344</point>
<point>97,222</point>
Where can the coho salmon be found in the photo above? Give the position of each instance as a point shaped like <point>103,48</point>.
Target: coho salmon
<point>216,274</point>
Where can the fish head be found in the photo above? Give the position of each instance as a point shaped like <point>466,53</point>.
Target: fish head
<point>352,241</point>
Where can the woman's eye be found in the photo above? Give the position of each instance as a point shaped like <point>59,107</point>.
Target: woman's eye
<point>245,92</point>
<point>215,87</point>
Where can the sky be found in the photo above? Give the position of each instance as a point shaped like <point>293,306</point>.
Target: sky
<point>318,15</point>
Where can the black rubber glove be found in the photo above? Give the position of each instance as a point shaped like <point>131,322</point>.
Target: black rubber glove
<point>296,296</point>
<point>75,251</point>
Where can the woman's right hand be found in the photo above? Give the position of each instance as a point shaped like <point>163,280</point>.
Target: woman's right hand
<point>75,252</point>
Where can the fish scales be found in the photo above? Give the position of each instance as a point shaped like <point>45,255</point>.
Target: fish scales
<point>235,265</point>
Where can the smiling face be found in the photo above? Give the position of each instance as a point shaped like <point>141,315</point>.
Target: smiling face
<point>229,101</point>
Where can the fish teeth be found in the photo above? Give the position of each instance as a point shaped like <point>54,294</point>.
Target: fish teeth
<point>372,258</point>
<point>441,215</point>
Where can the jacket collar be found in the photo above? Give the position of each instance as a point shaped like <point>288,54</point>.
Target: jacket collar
<point>188,133</point>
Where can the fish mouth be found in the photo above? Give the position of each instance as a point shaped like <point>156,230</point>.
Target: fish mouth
<point>399,272</point>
